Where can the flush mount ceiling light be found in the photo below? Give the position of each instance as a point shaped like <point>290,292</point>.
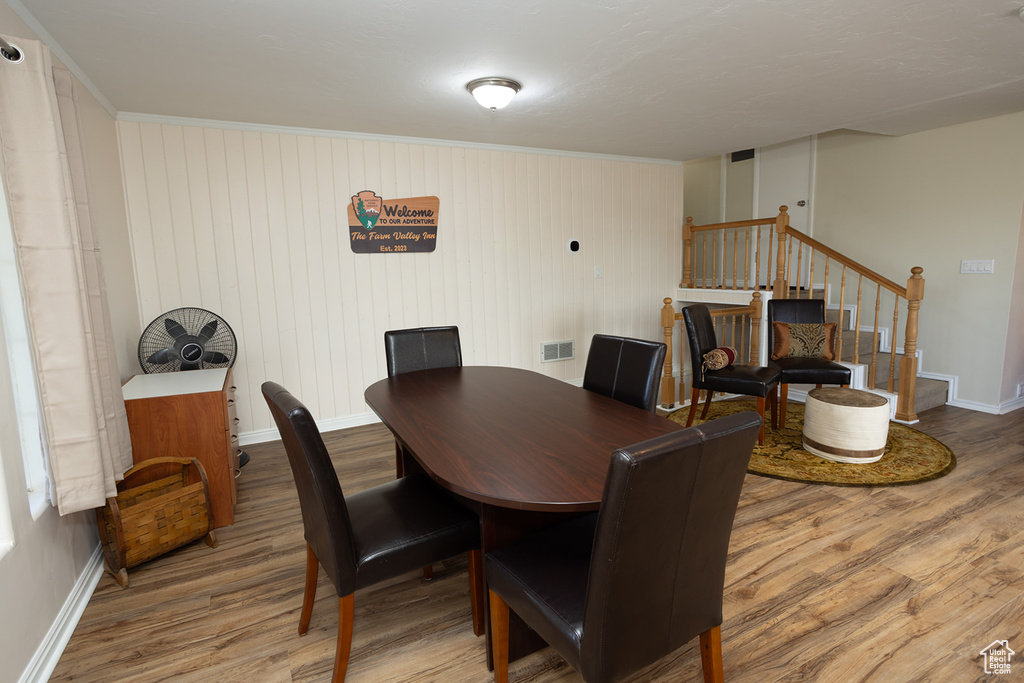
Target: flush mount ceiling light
<point>493,93</point>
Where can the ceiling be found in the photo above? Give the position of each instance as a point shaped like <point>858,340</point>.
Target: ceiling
<point>666,79</point>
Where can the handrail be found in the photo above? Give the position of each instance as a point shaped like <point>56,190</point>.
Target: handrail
<point>849,262</point>
<point>730,224</point>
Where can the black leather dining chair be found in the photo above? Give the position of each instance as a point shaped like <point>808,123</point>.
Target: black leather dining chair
<point>628,370</point>
<point>816,371</point>
<point>422,348</point>
<point>617,590</point>
<point>369,536</point>
<point>748,380</point>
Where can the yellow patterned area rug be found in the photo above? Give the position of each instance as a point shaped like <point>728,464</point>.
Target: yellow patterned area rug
<point>911,457</point>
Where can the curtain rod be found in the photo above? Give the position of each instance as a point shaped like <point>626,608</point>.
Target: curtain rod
<point>10,52</point>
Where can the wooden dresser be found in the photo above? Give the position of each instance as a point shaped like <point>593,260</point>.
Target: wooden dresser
<point>188,414</point>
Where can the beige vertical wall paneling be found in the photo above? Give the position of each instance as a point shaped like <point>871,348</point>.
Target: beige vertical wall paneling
<point>253,225</point>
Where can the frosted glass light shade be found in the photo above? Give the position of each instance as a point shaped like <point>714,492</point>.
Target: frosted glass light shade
<point>493,93</point>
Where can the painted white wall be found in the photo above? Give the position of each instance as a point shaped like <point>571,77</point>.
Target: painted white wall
<point>252,225</point>
<point>1013,363</point>
<point>51,555</point>
<point>739,190</point>
<point>932,199</point>
<point>702,196</point>
<point>929,199</point>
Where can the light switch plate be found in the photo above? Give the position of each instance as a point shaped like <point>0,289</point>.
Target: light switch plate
<point>977,267</point>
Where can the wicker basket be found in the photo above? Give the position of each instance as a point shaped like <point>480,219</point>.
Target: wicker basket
<point>161,504</point>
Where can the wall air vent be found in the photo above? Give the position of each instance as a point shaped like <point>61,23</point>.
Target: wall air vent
<point>559,350</point>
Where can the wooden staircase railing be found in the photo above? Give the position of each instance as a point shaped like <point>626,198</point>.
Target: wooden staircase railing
<point>759,255</point>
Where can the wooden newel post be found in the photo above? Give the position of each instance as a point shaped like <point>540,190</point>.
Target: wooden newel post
<point>779,288</point>
<point>755,329</point>
<point>908,363</point>
<point>668,321</point>
<point>687,280</point>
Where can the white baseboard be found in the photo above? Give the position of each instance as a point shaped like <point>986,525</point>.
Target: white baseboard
<point>1010,406</point>
<point>44,661</point>
<point>975,405</point>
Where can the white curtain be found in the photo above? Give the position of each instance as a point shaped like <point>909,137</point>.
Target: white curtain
<point>58,258</point>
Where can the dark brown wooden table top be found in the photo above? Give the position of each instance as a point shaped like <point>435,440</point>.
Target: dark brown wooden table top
<point>510,437</point>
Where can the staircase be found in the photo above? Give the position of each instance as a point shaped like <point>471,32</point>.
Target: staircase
<point>930,393</point>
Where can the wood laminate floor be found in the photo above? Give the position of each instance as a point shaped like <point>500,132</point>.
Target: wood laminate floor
<point>823,584</point>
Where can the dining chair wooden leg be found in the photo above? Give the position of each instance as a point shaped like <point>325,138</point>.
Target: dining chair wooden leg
<point>783,397</point>
<point>476,591</point>
<point>499,637</point>
<point>428,572</point>
<point>760,411</point>
<point>707,405</point>
<point>309,594</point>
<point>711,655</point>
<point>346,615</point>
<point>694,400</point>
<point>773,402</point>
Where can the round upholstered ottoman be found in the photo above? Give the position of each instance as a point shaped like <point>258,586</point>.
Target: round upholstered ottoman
<point>846,425</point>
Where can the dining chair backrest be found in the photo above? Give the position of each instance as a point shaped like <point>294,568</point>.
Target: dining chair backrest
<point>325,518</point>
<point>793,311</point>
<point>657,569</point>
<point>700,334</point>
<point>422,348</point>
<point>625,369</point>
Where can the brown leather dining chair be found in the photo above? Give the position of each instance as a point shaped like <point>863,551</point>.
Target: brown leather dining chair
<point>625,369</point>
<point>369,536</point>
<point>748,380</point>
<point>615,591</point>
<point>793,370</point>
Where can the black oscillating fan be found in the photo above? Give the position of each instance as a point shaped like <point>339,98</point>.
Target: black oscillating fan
<point>187,339</point>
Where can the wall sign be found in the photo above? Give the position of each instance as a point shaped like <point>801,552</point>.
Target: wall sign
<point>377,225</point>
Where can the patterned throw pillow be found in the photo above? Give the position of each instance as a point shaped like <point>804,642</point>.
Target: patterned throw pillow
<point>804,340</point>
<point>716,359</point>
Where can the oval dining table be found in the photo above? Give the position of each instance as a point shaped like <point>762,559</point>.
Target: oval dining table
<point>523,449</point>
